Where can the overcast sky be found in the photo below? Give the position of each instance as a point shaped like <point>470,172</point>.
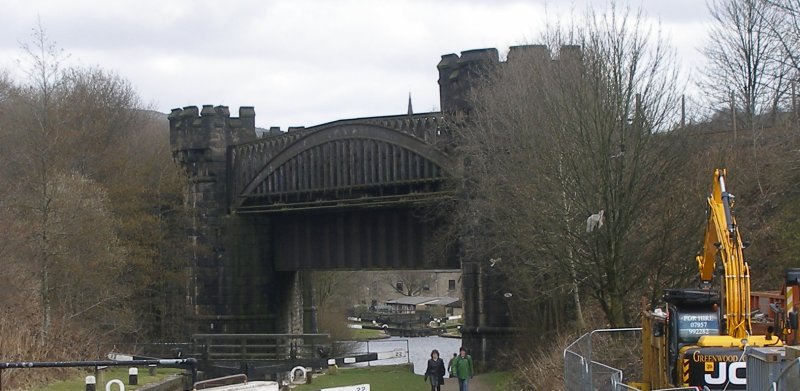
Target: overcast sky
<point>302,62</point>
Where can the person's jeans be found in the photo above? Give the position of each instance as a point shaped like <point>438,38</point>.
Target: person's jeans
<point>463,384</point>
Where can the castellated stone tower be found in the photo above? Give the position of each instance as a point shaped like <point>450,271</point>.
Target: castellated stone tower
<point>487,324</point>
<point>460,74</point>
<point>457,75</point>
<point>199,143</point>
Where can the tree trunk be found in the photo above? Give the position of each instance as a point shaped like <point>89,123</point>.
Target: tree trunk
<point>45,304</point>
<point>576,295</point>
<point>617,314</point>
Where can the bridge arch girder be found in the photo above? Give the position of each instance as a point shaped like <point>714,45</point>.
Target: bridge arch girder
<point>348,156</point>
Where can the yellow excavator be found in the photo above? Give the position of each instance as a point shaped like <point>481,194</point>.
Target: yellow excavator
<point>698,339</point>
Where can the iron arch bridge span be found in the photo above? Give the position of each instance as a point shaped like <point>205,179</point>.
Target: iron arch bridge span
<point>362,162</point>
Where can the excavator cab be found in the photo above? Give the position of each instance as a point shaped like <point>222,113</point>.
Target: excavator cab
<point>692,314</point>
<point>687,345</point>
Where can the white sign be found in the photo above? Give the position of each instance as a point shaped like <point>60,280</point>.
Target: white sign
<point>397,353</point>
<point>360,387</point>
<point>119,357</point>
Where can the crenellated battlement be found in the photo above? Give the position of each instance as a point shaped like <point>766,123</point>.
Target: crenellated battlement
<point>459,74</point>
<point>246,114</point>
<point>200,139</point>
<point>204,135</point>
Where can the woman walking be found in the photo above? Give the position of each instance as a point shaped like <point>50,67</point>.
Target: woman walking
<point>435,371</point>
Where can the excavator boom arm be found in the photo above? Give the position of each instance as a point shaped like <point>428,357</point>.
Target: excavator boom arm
<point>722,241</point>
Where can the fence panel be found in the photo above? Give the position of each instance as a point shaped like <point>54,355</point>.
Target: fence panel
<point>583,373</point>
<point>576,372</point>
<point>789,378</point>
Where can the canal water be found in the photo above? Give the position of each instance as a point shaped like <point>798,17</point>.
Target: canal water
<point>419,349</point>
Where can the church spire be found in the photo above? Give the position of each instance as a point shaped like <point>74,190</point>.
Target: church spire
<point>410,110</point>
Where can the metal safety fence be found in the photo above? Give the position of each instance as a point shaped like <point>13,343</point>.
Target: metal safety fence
<point>582,372</point>
<point>789,379</point>
<point>590,362</point>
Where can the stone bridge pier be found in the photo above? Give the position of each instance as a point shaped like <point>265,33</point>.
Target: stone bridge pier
<point>233,286</point>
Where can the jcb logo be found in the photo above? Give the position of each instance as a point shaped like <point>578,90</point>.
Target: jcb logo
<point>733,372</point>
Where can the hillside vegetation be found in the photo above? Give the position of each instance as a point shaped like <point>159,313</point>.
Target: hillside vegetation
<point>91,215</point>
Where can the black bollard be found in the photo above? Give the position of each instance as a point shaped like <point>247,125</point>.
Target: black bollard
<point>91,383</point>
<point>133,376</point>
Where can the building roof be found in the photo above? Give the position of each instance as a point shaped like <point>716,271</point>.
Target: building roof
<point>445,301</point>
<point>423,300</point>
<point>411,300</point>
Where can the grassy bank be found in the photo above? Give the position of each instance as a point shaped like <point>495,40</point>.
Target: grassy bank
<point>396,378</point>
<point>384,378</point>
<point>77,383</point>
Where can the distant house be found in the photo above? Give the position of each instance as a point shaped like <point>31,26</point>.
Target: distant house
<point>412,304</point>
<point>451,305</point>
<point>409,304</point>
<point>380,286</point>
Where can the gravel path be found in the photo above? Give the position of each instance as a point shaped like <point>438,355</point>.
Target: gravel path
<point>474,385</point>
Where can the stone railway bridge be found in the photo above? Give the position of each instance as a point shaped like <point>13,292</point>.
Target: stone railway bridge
<point>346,195</point>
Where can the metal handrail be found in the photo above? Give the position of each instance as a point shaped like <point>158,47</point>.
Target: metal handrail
<point>591,333</point>
<point>622,387</point>
<point>258,336</point>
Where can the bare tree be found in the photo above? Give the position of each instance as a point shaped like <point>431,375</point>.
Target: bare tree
<point>37,116</point>
<point>6,86</point>
<point>336,288</point>
<point>555,141</point>
<point>744,55</point>
<point>409,283</point>
<point>100,112</point>
<point>786,30</point>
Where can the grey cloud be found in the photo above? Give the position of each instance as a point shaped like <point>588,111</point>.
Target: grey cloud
<point>299,62</point>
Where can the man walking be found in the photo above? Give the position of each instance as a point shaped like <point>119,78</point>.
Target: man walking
<point>464,371</point>
<point>450,367</point>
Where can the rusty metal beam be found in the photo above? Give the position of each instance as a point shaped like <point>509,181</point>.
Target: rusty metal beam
<point>364,202</point>
<point>355,240</point>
